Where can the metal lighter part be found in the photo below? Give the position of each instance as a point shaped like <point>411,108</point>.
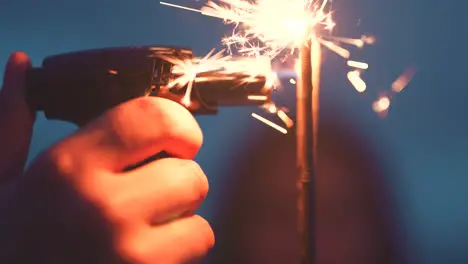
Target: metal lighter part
<point>79,86</point>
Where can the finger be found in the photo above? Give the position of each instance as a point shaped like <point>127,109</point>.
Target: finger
<point>136,130</point>
<point>161,191</point>
<point>180,241</point>
<point>16,119</point>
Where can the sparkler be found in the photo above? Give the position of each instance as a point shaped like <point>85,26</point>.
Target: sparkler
<point>279,29</point>
<point>217,66</point>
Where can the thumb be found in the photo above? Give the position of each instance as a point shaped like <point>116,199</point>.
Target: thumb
<point>16,119</point>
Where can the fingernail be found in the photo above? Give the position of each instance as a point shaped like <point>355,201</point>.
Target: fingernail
<point>13,92</point>
<point>15,73</point>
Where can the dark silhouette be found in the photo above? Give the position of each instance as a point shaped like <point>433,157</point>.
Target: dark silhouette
<point>354,216</point>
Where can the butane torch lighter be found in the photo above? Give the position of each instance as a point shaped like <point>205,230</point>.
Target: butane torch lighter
<point>79,86</point>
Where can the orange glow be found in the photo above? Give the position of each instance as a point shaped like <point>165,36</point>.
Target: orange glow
<point>402,81</point>
<point>264,29</point>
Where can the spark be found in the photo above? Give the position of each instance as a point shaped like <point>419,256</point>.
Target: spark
<point>285,118</point>
<point>257,97</point>
<point>181,7</point>
<point>382,105</point>
<point>276,24</point>
<point>220,67</point>
<point>264,30</point>
<point>271,29</point>
<point>402,81</point>
<point>270,123</point>
<point>335,48</point>
<point>354,78</point>
<point>359,43</point>
<point>357,64</point>
<point>271,108</point>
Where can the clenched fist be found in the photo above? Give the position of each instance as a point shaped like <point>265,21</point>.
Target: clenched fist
<point>78,203</point>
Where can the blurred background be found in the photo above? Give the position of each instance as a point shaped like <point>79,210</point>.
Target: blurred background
<point>391,190</point>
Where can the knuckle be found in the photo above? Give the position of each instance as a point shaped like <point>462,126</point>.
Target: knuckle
<point>174,121</point>
<point>161,118</point>
<point>61,161</point>
<point>197,180</point>
<point>103,193</point>
<point>130,250</point>
<point>156,114</point>
<point>123,122</point>
<point>143,110</point>
<point>207,235</point>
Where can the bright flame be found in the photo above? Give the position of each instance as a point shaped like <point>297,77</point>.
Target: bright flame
<point>263,29</point>
<point>269,26</point>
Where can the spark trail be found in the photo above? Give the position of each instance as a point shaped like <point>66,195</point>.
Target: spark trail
<point>278,30</point>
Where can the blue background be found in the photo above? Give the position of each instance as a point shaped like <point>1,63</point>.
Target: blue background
<point>426,127</point>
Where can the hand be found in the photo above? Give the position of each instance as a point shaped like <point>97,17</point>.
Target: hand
<point>77,204</point>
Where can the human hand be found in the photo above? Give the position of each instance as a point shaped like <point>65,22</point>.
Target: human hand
<point>77,204</point>
<point>16,120</point>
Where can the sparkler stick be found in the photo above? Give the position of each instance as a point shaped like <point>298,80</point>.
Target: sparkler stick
<point>304,145</point>
<point>306,137</point>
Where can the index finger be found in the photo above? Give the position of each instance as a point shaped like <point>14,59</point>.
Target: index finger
<point>135,131</point>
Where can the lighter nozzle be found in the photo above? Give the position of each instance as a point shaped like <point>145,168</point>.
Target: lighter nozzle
<point>212,90</point>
